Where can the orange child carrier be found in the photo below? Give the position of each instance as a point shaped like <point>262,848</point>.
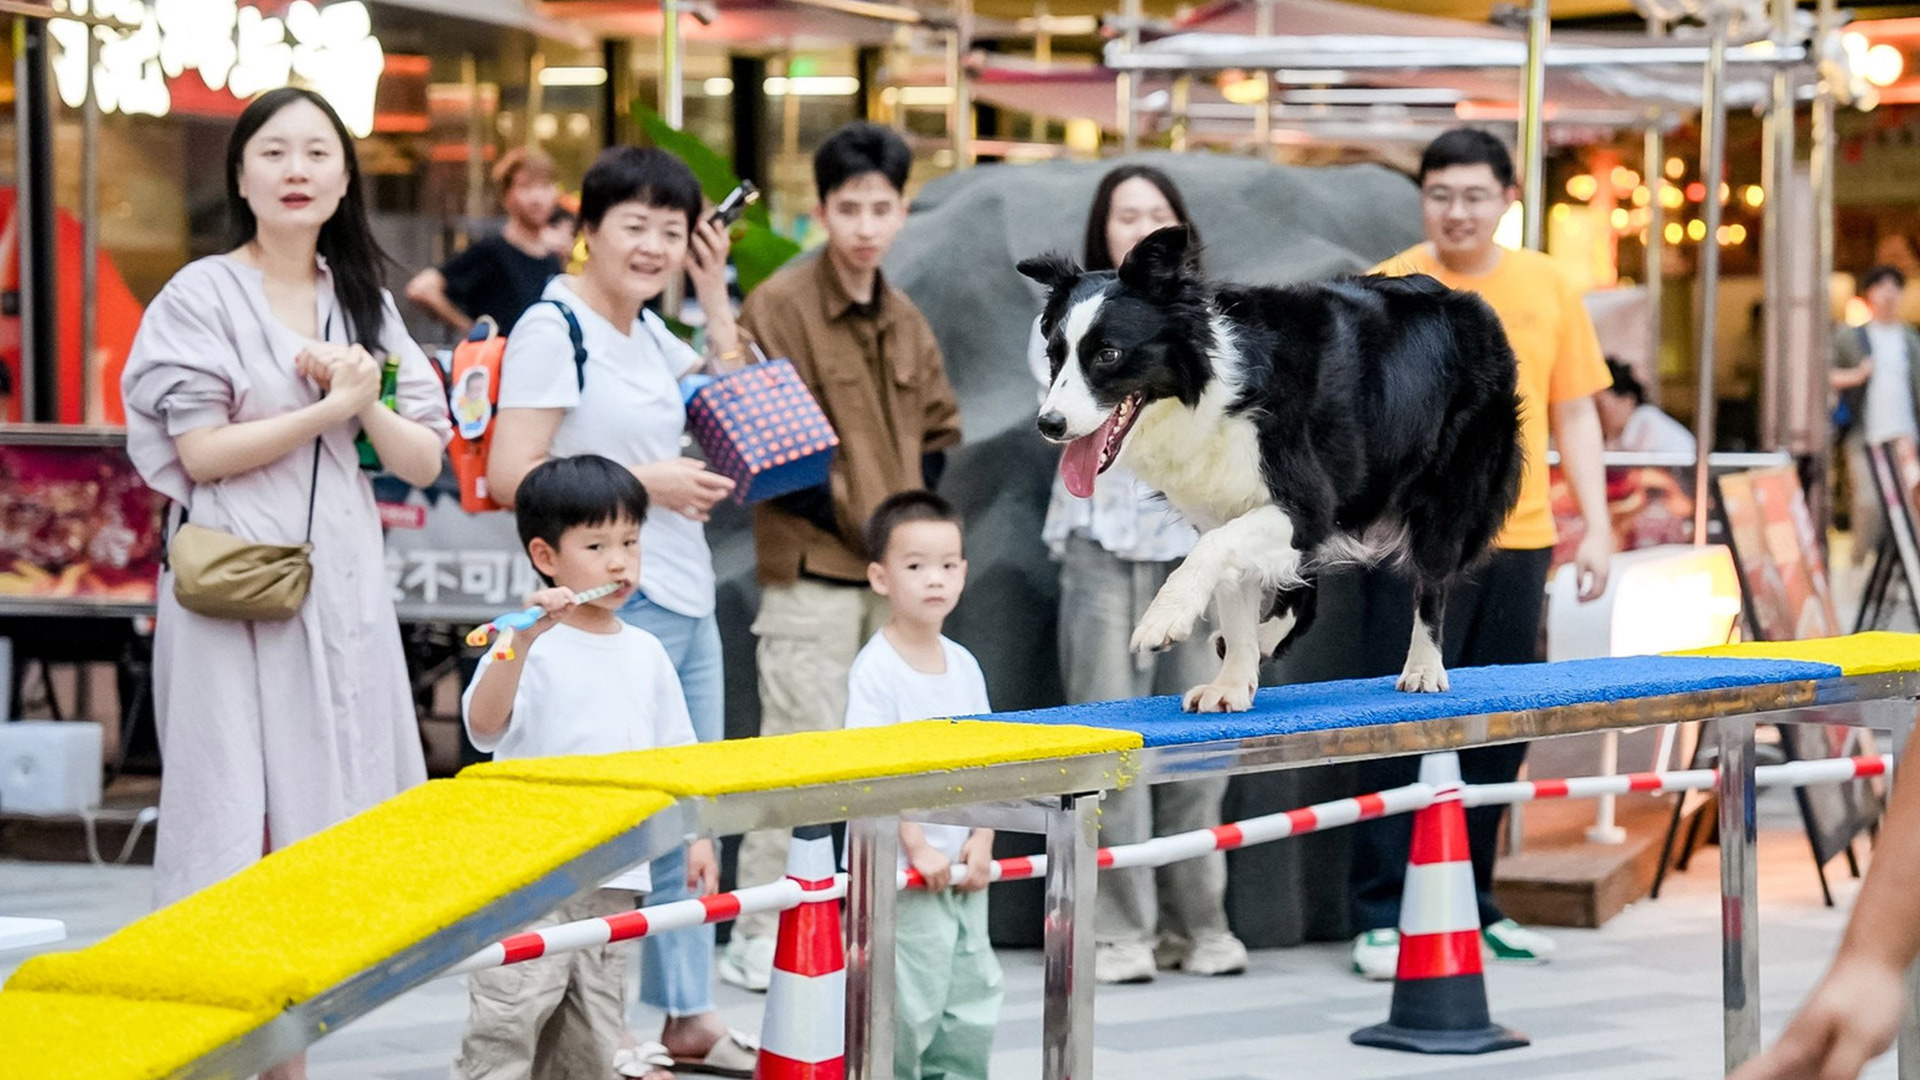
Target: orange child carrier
<point>474,397</point>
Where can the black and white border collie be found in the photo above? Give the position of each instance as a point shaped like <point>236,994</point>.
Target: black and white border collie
<point>1365,420</point>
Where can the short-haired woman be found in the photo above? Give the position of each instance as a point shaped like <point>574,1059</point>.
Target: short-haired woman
<point>617,394</point>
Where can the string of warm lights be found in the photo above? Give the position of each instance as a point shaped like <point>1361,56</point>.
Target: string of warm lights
<point>1629,199</point>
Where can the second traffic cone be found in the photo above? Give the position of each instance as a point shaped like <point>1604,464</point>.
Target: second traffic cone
<point>1439,994</point>
<point>804,1033</point>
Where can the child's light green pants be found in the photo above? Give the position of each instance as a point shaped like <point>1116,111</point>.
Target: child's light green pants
<point>948,987</point>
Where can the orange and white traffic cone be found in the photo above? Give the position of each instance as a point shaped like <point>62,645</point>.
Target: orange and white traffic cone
<point>1439,994</point>
<point>804,1033</point>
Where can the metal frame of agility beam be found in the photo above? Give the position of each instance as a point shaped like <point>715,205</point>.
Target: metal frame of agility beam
<point>1884,702</point>
<point>1058,797</point>
<point>303,1024</point>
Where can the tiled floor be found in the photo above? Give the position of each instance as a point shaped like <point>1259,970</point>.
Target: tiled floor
<point>1638,998</point>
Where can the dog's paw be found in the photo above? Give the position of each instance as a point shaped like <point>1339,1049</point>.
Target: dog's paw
<point>1422,678</point>
<point>1274,633</point>
<point>1219,697</point>
<point>1162,627</point>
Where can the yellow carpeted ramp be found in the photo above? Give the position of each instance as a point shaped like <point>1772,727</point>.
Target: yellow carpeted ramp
<point>1876,653</point>
<point>72,1037</point>
<point>323,910</point>
<point>818,757</point>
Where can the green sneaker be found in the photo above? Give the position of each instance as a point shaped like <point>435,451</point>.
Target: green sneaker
<point>1511,942</point>
<point>1376,955</point>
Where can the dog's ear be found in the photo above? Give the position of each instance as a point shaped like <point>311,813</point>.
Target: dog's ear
<point>1161,262</point>
<point>1053,270</point>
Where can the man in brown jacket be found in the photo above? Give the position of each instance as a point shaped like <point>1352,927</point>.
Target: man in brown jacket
<point>871,360</point>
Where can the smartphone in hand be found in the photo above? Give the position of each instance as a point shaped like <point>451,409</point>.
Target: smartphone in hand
<point>735,204</point>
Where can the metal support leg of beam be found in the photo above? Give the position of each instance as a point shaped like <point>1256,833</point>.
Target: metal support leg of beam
<point>873,853</point>
<point>1908,1052</point>
<point>1072,847</point>
<point>1908,1067</point>
<point>1739,893</point>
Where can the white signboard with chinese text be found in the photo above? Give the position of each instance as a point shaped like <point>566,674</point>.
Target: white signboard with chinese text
<point>330,49</point>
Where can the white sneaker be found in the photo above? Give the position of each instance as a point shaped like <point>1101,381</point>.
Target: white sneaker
<point>1512,943</point>
<point>1215,954</point>
<point>747,963</point>
<point>1376,955</point>
<point>1122,962</point>
<point>1170,950</point>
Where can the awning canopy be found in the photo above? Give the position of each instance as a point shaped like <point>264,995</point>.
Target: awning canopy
<point>768,24</point>
<point>1359,70</point>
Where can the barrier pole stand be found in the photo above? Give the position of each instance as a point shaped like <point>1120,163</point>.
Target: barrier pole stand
<point>873,856</point>
<point>1739,893</point>
<point>1066,1049</point>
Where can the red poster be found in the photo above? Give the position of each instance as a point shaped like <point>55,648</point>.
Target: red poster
<point>77,523</point>
<point>1648,506</point>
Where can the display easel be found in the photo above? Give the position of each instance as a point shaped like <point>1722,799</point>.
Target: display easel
<point>1787,598</point>
<point>1896,558</point>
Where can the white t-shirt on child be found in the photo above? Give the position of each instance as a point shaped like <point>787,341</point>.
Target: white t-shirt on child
<point>587,693</point>
<point>882,688</point>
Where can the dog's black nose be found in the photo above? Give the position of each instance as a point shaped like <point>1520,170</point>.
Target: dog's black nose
<point>1052,425</point>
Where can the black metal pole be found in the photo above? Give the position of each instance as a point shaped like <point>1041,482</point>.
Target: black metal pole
<point>749,118</point>
<point>40,396</point>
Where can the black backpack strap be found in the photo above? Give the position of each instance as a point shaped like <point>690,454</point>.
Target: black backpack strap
<point>578,338</point>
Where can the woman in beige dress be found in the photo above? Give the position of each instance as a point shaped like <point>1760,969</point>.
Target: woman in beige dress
<point>251,376</point>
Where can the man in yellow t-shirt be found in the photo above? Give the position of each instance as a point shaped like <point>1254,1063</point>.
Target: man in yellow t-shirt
<point>1494,614</point>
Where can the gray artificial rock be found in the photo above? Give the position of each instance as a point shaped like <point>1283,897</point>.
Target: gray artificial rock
<point>1261,223</point>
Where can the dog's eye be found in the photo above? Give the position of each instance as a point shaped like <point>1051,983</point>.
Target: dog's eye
<point>1107,356</point>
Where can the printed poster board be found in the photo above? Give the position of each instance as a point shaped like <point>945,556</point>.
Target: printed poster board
<point>1783,573</point>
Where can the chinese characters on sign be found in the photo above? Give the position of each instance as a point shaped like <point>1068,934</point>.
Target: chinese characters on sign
<point>329,49</point>
<point>431,578</point>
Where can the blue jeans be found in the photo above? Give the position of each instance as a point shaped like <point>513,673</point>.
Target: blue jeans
<point>676,968</point>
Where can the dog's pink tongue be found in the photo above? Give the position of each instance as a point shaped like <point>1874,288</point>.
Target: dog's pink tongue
<point>1081,461</point>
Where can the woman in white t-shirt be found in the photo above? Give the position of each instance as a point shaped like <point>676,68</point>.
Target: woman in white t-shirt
<point>641,216</point>
<point>1629,422</point>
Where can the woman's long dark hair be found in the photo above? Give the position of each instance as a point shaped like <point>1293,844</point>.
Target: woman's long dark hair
<point>346,240</point>
<point>1097,255</point>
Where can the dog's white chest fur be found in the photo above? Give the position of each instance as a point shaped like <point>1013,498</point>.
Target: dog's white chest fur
<point>1206,462</point>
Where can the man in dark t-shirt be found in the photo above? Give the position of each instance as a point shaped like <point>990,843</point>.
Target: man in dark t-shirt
<point>499,275</point>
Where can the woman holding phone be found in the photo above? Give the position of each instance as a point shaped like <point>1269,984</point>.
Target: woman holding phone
<point>251,376</point>
<point>641,215</point>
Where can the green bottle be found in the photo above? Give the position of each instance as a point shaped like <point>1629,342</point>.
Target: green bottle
<point>390,397</point>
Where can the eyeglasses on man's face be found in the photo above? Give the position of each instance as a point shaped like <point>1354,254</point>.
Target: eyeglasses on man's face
<point>1473,199</point>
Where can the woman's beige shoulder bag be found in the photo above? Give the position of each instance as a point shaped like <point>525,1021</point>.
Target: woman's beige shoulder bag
<point>222,576</point>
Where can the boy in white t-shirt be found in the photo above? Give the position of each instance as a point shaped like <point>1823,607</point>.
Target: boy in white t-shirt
<point>947,978</point>
<point>581,682</point>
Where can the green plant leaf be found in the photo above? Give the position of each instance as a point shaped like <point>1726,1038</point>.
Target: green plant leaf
<point>758,251</point>
<point>714,172</point>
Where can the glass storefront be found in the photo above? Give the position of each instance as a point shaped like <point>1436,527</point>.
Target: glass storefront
<point>436,100</point>
<point>441,100</point>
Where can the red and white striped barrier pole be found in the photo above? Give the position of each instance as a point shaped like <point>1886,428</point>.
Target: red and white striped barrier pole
<point>1791,774</point>
<point>803,1035</point>
<point>780,895</point>
<point>786,894</point>
<point>1163,850</point>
